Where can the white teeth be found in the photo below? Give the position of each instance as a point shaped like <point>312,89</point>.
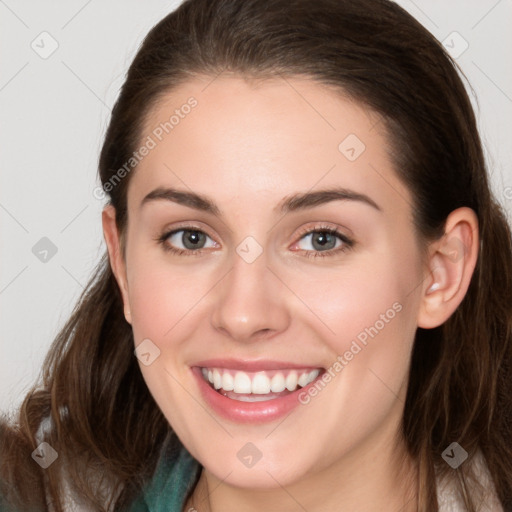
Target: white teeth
<point>277,384</point>
<point>258,383</point>
<point>313,374</point>
<point>228,384</point>
<point>217,379</point>
<point>254,398</point>
<point>242,383</point>
<point>303,380</point>
<point>291,381</point>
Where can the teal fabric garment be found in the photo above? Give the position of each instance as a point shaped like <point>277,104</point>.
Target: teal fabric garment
<point>175,475</point>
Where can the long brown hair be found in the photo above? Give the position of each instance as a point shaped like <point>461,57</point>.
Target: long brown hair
<point>104,423</point>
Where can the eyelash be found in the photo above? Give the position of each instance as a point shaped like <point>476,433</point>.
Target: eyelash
<point>347,242</point>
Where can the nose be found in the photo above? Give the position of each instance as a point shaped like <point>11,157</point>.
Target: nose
<point>251,302</point>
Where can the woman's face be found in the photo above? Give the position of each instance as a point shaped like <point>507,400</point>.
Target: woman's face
<point>259,294</point>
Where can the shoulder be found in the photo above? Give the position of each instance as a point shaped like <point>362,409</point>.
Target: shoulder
<point>450,499</point>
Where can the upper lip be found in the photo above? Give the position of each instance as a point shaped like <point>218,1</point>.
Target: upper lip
<point>252,366</point>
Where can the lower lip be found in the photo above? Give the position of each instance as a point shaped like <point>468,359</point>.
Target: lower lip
<point>249,412</point>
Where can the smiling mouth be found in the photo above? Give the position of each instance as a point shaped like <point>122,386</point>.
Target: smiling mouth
<point>258,386</point>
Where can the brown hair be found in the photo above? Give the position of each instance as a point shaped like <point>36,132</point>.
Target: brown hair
<point>104,422</point>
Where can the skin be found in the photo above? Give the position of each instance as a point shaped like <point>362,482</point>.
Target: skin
<point>247,146</point>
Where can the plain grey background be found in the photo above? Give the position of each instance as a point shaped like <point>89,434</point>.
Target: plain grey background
<point>62,64</point>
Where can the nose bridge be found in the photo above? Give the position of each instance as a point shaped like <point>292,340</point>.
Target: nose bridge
<point>250,298</point>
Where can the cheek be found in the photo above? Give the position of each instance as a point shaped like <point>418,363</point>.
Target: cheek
<point>165,304</point>
<point>370,298</point>
<point>368,314</point>
<point>162,295</point>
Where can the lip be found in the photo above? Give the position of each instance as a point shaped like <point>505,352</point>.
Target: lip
<point>248,412</point>
<point>252,366</point>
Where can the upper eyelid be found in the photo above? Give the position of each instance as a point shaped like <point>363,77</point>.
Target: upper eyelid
<point>325,227</point>
<point>186,227</point>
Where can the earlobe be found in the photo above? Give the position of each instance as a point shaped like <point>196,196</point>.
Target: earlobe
<point>451,264</point>
<point>111,235</point>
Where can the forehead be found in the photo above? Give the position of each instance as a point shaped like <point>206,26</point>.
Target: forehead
<point>231,137</point>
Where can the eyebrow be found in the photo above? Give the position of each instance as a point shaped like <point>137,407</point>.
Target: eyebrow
<point>295,202</point>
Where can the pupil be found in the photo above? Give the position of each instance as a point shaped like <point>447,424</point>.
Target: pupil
<point>192,238</point>
<point>322,239</point>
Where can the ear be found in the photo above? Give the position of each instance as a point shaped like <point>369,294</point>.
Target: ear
<point>112,239</point>
<point>452,260</point>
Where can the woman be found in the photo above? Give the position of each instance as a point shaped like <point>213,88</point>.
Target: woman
<point>306,302</point>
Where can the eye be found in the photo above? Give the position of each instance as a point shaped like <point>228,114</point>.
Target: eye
<point>191,241</point>
<point>323,242</point>
<point>186,241</point>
